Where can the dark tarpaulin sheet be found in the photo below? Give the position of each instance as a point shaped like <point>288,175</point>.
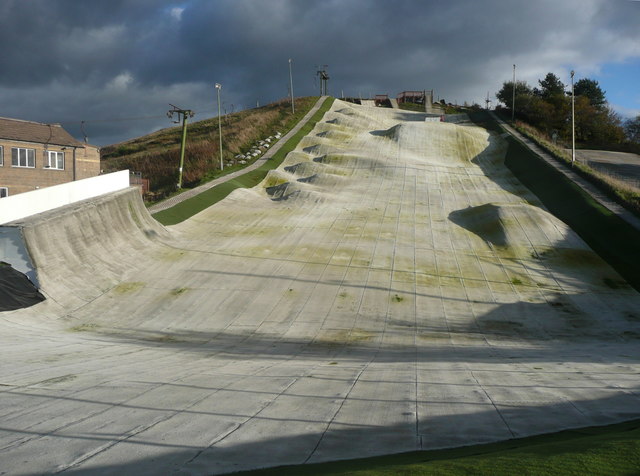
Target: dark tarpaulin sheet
<point>16,291</point>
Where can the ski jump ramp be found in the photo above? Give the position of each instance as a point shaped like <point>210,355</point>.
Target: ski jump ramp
<point>391,287</point>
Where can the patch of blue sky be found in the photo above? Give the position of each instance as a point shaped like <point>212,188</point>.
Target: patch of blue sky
<point>621,83</point>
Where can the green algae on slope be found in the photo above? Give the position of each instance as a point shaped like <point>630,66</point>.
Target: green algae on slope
<point>87,327</point>
<point>128,287</point>
<point>178,291</point>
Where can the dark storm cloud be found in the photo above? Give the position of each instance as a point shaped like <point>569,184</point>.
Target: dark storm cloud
<point>44,40</point>
<point>66,60</point>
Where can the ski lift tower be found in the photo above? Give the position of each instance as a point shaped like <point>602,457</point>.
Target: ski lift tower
<point>324,78</point>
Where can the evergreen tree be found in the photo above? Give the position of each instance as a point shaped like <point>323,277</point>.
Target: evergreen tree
<point>550,86</point>
<point>591,90</point>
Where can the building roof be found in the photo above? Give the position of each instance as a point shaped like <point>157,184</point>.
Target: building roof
<point>29,131</point>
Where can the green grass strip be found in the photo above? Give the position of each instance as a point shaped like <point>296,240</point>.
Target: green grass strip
<point>613,449</point>
<point>193,205</point>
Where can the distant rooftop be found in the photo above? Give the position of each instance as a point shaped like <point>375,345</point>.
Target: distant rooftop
<point>29,131</point>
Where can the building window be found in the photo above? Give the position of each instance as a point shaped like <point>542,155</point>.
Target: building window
<point>1,156</point>
<point>23,157</point>
<point>4,192</point>
<point>55,160</point>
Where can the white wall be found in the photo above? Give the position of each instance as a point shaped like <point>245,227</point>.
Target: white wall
<point>26,204</point>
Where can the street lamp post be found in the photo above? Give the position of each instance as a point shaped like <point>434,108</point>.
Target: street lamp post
<point>293,107</point>
<point>573,123</point>
<point>513,102</point>
<point>219,87</point>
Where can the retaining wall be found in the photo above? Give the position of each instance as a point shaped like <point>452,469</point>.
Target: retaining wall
<point>26,204</point>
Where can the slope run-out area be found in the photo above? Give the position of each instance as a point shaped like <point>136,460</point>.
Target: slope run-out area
<point>390,288</point>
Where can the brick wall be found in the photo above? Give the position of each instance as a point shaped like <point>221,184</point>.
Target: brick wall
<point>23,179</point>
<point>87,162</point>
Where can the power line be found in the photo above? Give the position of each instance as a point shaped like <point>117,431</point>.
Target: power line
<point>119,119</point>
<point>123,119</point>
<point>141,118</point>
<point>82,123</point>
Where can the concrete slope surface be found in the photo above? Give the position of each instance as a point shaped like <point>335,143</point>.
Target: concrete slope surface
<point>391,287</point>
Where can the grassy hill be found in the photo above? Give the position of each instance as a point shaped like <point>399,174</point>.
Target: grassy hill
<point>157,155</point>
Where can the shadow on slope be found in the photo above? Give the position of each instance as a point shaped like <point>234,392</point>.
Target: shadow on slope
<point>302,439</point>
<point>608,235</point>
<point>16,291</point>
<point>486,221</point>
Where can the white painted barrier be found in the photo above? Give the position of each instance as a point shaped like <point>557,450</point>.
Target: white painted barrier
<point>26,204</point>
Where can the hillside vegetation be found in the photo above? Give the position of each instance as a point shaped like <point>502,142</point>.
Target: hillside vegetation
<point>546,115</point>
<point>193,205</point>
<point>157,155</point>
<point>548,108</point>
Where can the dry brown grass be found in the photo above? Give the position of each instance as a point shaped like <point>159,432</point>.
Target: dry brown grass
<point>623,192</point>
<point>157,155</point>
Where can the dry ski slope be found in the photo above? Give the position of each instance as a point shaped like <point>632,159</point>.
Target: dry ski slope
<point>390,288</point>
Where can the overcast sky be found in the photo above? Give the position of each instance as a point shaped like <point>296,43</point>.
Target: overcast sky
<point>98,60</point>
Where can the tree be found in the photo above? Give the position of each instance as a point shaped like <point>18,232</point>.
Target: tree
<point>505,94</point>
<point>632,129</point>
<point>586,120</point>
<point>599,126</point>
<point>610,130</point>
<point>590,89</point>
<point>549,110</point>
<point>551,86</point>
<point>539,113</point>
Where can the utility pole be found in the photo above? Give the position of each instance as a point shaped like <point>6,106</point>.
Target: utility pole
<point>513,103</point>
<point>86,139</point>
<point>219,87</point>
<point>573,123</point>
<point>293,107</point>
<point>186,114</point>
